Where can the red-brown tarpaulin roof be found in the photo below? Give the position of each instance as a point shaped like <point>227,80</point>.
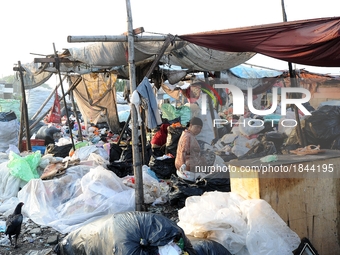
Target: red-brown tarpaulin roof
<point>314,42</point>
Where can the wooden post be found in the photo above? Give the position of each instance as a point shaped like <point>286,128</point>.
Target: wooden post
<point>137,166</point>
<point>80,135</point>
<point>21,130</point>
<point>294,84</point>
<point>24,110</point>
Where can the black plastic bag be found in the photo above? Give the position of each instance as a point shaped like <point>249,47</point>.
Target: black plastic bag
<point>174,133</point>
<point>207,247</point>
<point>47,133</point>
<point>121,168</point>
<point>219,181</point>
<point>126,155</point>
<point>129,233</point>
<point>336,144</point>
<point>261,149</point>
<point>323,126</point>
<point>59,151</point>
<point>163,168</point>
<point>277,139</point>
<point>226,157</point>
<point>7,116</point>
<point>115,152</point>
<point>181,189</point>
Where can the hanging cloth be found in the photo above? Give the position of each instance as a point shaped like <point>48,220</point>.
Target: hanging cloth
<point>149,101</point>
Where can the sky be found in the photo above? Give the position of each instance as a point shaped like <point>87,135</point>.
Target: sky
<point>29,28</point>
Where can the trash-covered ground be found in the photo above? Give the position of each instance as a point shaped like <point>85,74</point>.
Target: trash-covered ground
<point>41,240</point>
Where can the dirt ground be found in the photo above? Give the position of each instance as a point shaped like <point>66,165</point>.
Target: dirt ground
<point>41,240</point>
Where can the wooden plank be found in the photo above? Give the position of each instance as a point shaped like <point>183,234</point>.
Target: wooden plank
<point>309,206</point>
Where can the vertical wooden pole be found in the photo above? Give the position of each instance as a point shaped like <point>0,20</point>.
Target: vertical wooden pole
<point>139,194</point>
<point>293,83</point>
<point>24,110</point>
<point>21,130</point>
<point>62,90</point>
<point>80,135</point>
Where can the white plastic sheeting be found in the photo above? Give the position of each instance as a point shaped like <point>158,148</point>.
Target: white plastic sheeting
<point>81,195</point>
<point>9,131</point>
<point>87,191</point>
<point>184,54</point>
<point>243,226</point>
<point>9,185</point>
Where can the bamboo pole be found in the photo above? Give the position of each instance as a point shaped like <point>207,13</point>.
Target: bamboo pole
<point>21,130</point>
<point>24,108</point>
<point>137,166</point>
<point>62,90</point>
<point>116,38</point>
<point>80,135</point>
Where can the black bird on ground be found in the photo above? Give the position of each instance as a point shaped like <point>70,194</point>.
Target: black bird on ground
<point>13,224</point>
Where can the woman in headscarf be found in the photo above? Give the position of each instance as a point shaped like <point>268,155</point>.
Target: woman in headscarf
<point>188,155</point>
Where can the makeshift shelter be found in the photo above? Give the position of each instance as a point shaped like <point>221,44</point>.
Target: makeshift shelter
<point>308,42</point>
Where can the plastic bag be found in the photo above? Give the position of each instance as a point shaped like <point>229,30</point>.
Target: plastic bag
<point>124,233</point>
<point>269,158</point>
<point>242,226</point>
<point>155,192</point>
<point>46,133</point>
<point>79,196</point>
<point>24,168</point>
<point>9,130</point>
<point>322,127</point>
<point>163,168</point>
<point>59,151</point>
<point>170,112</point>
<point>9,185</point>
<point>206,246</point>
<point>174,133</point>
<point>181,190</point>
<point>217,216</point>
<point>267,232</point>
<point>249,126</point>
